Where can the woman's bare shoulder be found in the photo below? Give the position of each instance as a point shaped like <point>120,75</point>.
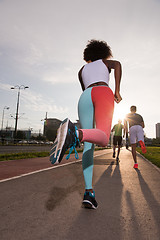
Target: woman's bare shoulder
<point>111,63</point>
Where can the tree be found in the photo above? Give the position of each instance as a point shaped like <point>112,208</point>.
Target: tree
<point>156,142</point>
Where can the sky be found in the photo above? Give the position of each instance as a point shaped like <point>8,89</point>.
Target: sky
<point>41,46</point>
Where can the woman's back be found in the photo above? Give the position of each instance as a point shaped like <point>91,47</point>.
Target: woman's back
<point>94,72</point>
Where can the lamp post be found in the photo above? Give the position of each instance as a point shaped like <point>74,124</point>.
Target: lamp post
<point>16,122</point>
<point>3,116</point>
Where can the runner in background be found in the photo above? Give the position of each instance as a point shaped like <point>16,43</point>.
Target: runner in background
<point>136,125</point>
<point>117,138</point>
<point>127,141</point>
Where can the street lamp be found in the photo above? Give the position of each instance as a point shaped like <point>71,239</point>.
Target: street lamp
<point>3,116</point>
<point>19,88</point>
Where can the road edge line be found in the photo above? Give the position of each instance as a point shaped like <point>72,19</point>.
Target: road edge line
<point>43,170</point>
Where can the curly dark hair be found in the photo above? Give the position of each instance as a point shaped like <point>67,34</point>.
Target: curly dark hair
<point>95,50</point>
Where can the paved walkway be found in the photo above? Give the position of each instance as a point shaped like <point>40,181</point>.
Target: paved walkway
<point>47,204</point>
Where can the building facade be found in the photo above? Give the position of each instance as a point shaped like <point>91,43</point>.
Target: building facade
<point>50,128</point>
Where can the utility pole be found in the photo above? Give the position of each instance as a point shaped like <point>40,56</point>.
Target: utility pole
<point>16,122</point>
<point>3,116</point>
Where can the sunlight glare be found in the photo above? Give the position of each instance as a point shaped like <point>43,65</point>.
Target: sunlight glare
<point>120,112</point>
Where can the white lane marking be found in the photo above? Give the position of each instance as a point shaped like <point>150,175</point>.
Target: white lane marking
<point>42,170</point>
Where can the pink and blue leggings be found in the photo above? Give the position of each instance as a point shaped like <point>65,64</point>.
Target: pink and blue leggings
<point>95,108</point>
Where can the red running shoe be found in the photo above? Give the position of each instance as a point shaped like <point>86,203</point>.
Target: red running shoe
<point>135,165</point>
<point>143,147</point>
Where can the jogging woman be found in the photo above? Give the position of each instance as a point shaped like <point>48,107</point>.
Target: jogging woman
<point>95,109</point>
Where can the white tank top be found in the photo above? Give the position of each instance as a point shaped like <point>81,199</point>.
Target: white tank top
<point>95,72</point>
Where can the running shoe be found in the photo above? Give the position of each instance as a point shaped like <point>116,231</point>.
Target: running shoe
<point>66,138</point>
<point>143,147</point>
<point>89,200</point>
<point>135,165</point>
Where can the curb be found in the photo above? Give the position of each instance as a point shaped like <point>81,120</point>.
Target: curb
<point>140,155</point>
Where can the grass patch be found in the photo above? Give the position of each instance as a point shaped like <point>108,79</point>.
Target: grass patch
<point>16,156</point>
<point>152,154</point>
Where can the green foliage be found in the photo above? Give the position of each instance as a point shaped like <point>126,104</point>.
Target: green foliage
<point>14,156</point>
<point>152,154</point>
<point>156,142</point>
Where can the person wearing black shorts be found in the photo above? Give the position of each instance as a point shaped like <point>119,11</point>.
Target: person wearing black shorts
<point>117,138</point>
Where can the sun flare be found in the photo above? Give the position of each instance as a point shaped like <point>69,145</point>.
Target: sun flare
<point>120,112</point>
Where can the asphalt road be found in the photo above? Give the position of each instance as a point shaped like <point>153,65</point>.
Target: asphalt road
<point>24,148</point>
<point>47,205</point>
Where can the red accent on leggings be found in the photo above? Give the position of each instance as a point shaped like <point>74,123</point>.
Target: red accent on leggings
<point>103,102</point>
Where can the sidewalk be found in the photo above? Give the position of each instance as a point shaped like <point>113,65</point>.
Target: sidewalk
<point>47,205</point>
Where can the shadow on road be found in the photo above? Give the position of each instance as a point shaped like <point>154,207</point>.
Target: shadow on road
<point>153,205</point>
<point>134,224</point>
<point>58,194</point>
<point>105,222</point>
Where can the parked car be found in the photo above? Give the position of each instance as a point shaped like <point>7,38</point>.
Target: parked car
<point>22,142</point>
<point>33,142</point>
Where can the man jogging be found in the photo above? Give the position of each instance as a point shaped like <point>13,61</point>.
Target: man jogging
<point>136,125</point>
<point>117,138</point>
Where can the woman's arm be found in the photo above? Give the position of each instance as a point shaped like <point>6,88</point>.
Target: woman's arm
<point>80,78</point>
<point>116,65</point>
